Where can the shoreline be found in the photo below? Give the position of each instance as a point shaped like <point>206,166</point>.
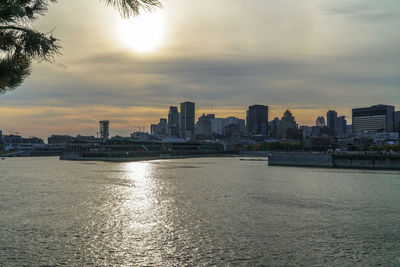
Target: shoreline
<point>134,159</point>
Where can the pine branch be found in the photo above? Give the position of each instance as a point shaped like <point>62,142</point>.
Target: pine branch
<point>129,8</point>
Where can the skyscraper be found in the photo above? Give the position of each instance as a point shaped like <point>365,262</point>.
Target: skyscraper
<point>187,119</point>
<point>286,123</point>
<point>396,126</point>
<point>204,125</point>
<point>341,126</point>
<point>320,122</point>
<point>257,120</point>
<point>331,118</point>
<point>378,118</point>
<point>104,129</point>
<point>173,121</point>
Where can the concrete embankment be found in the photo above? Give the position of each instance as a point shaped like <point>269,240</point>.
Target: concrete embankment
<point>301,159</point>
<point>361,160</point>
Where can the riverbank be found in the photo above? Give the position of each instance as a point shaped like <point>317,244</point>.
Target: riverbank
<point>77,157</point>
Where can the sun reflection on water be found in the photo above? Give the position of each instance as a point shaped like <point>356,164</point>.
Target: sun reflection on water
<point>140,201</point>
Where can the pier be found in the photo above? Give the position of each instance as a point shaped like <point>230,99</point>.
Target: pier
<point>356,160</point>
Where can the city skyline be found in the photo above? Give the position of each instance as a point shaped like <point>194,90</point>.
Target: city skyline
<point>317,56</point>
<point>145,127</point>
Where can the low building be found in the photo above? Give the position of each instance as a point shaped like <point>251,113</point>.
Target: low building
<point>60,139</point>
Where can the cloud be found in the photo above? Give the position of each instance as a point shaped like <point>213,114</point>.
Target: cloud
<point>303,55</point>
<point>369,11</point>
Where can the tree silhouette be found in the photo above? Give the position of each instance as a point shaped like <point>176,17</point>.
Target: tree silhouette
<point>21,43</point>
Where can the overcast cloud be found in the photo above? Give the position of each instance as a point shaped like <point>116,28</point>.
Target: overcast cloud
<point>308,56</point>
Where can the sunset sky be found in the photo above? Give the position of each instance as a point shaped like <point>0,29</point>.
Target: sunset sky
<point>308,56</point>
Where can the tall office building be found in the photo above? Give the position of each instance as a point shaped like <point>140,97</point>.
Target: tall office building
<point>1,136</point>
<point>257,120</point>
<point>173,121</point>
<point>286,123</point>
<point>187,119</point>
<point>204,127</point>
<point>341,126</point>
<point>320,122</point>
<point>217,126</point>
<point>396,126</point>
<point>331,118</point>
<point>104,130</point>
<point>378,118</point>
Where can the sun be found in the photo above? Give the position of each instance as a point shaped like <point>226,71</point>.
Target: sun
<point>143,33</point>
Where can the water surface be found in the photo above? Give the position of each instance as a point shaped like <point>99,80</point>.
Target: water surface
<point>207,211</point>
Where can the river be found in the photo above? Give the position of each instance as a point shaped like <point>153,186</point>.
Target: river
<point>203,211</point>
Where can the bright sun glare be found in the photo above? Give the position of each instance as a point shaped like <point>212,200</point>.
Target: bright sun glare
<point>143,33</point>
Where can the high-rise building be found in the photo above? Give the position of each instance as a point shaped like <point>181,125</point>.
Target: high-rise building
<point>162,127</point>
<point>173,121</point>
<point>331,118</point>
<point>1,136</point>
<point>378,118</point>
<point>257,120</point>
<point>104,130</point>
<point>274,128</point>
<point>217,126</point>
<point>320,122</point>
<point>187,119</point>
<point>159,129</point>
<point>286,123</point>
<point>396,126</point>
<point>239,122</point>
<point>204,125</point>
<point>153,129</point>
<point>341,126</point>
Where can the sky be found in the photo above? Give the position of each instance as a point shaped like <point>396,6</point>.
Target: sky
<point>307,56</point>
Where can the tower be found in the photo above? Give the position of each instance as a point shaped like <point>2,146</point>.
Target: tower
<point>104,129</point>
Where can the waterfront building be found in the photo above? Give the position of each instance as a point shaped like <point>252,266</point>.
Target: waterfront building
<point>141,136</point>
<point>257,120</point>
<point>320,122</point>
<point>12,139</point>
<point>378,118</point>
<point>86,138</point>
<point>1,136</point>
<point>17,142</point>
<point>187,119</point>
<point>331,118</point>
<point>104,130</point>
<point>173,122</point>
<point>59,139</point>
